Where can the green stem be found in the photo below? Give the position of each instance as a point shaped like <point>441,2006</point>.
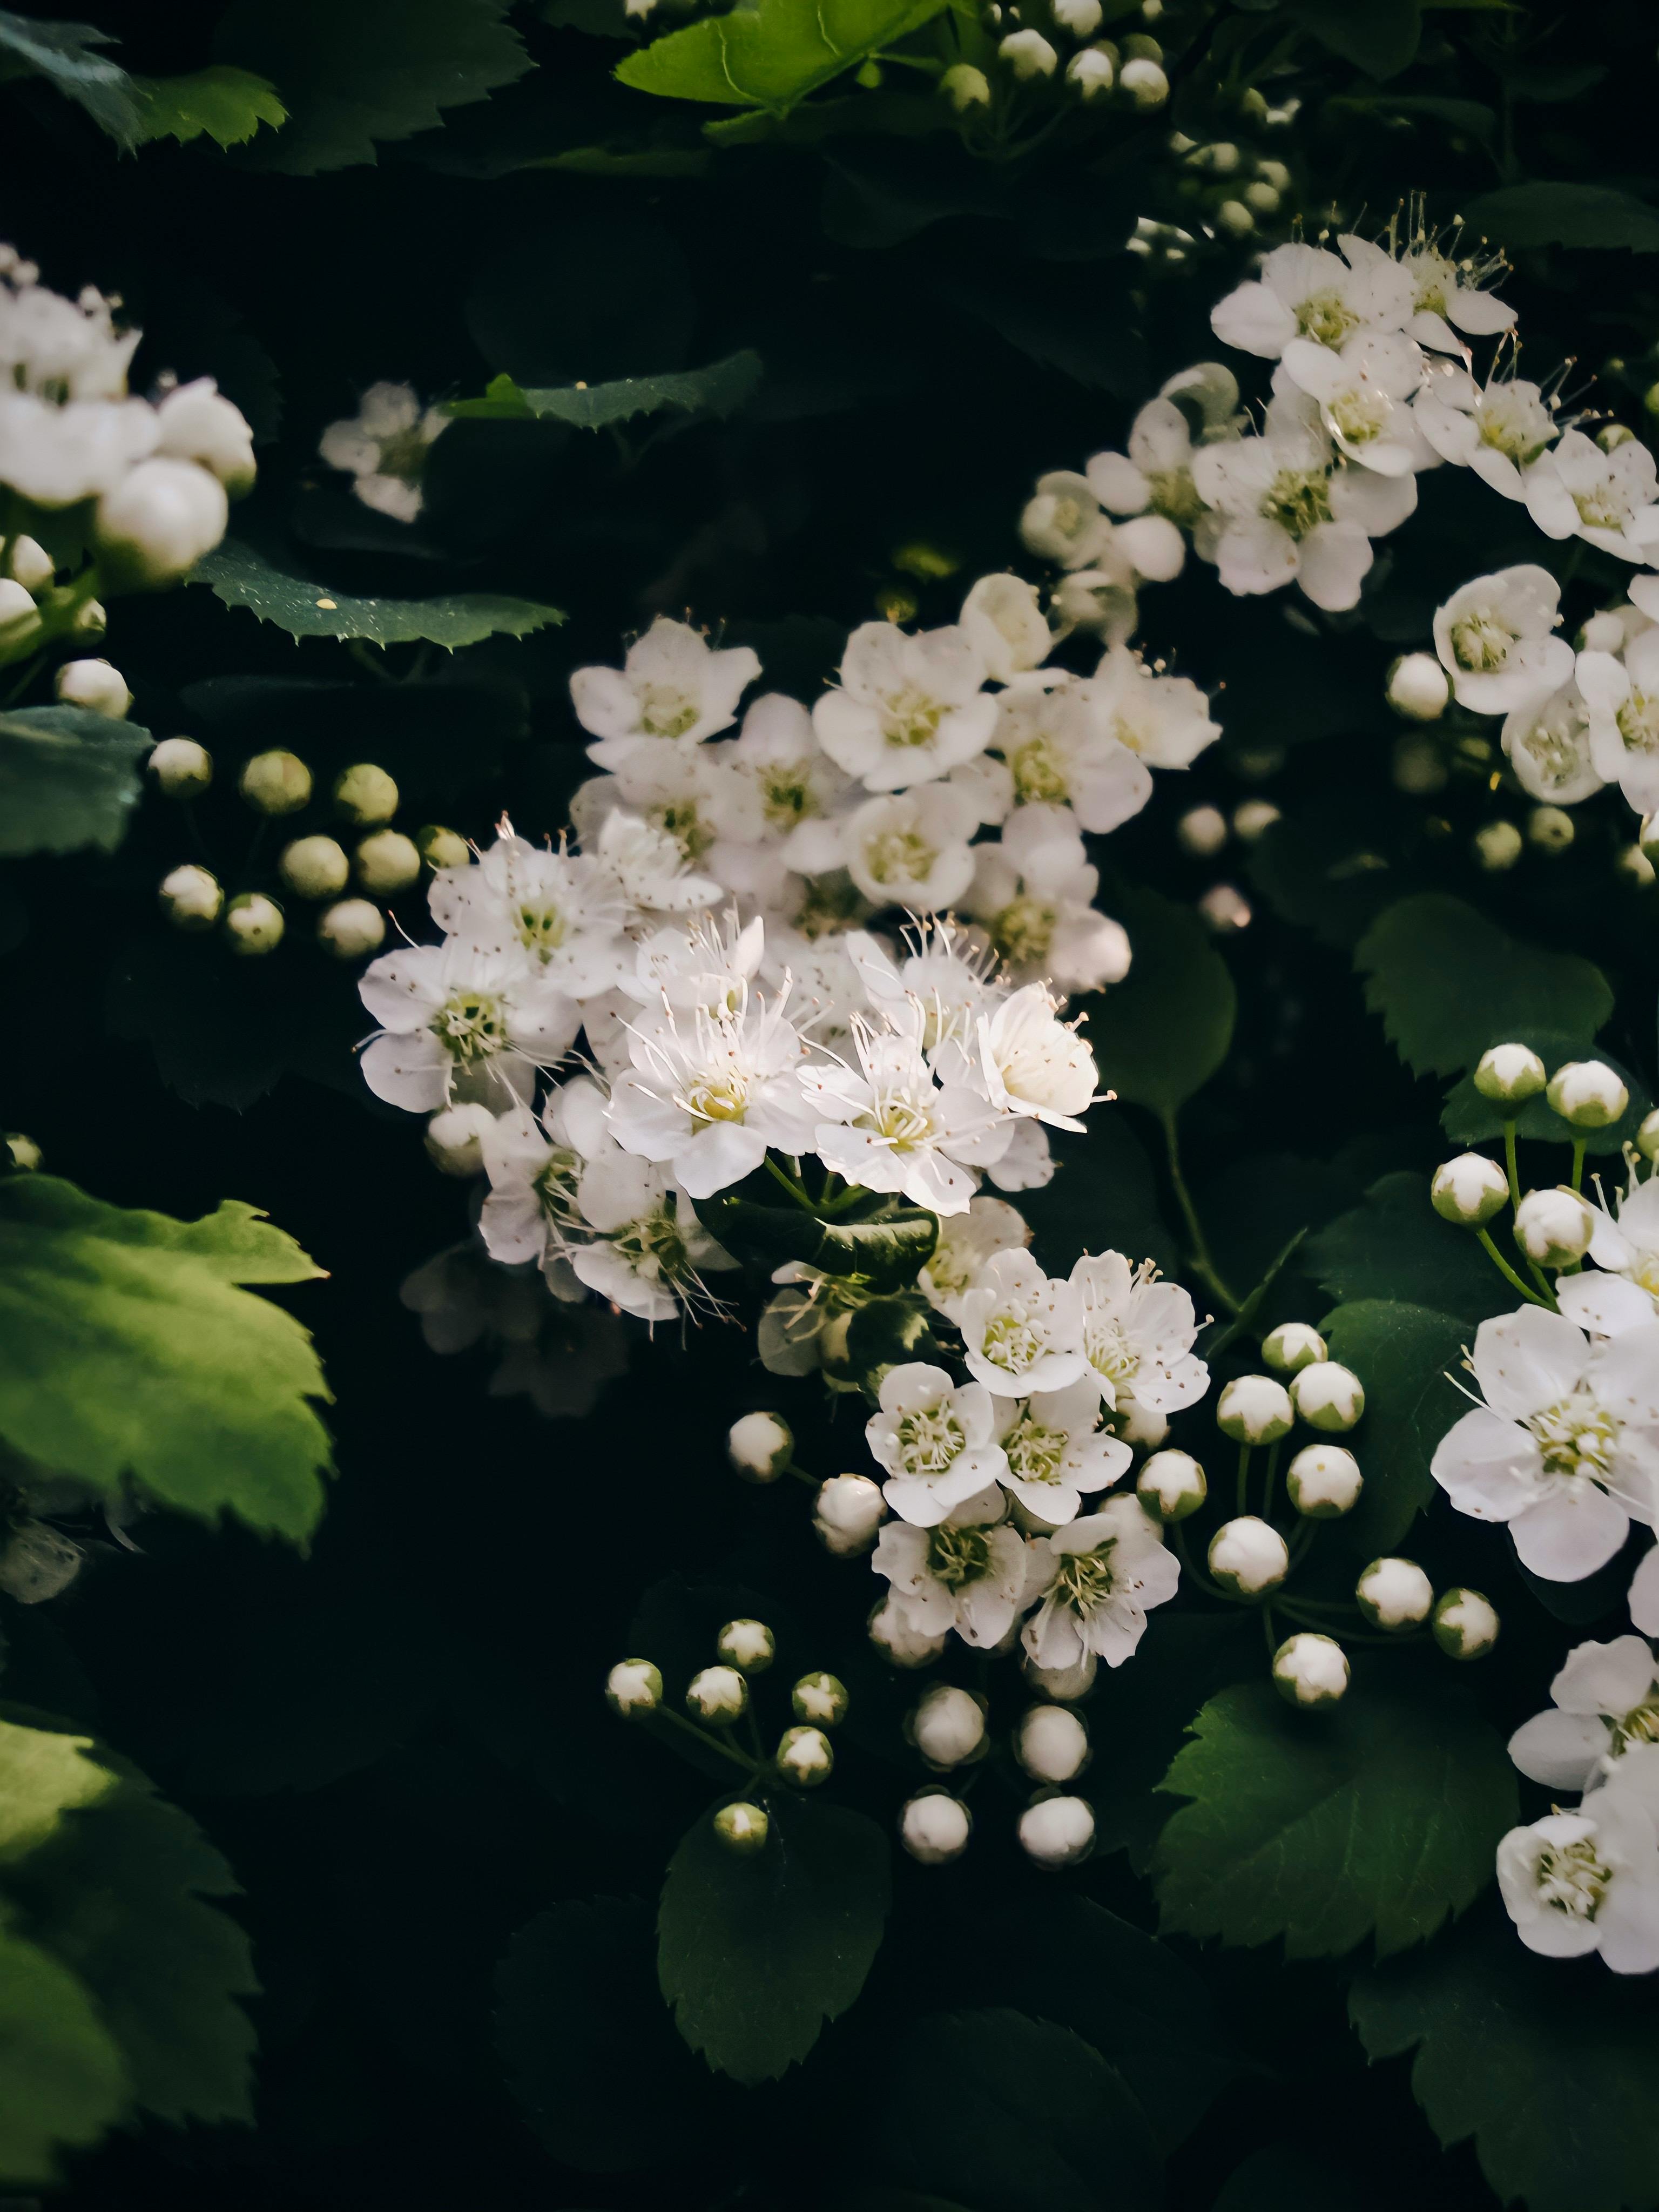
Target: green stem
<point>1578,1148</point>
<point>1509,1167</point>
<point>853,1195</point>
<point>1508,1272</point>
<point>709,1741</point>
<point>792,1187</point>
<point>1268,1630</point>
<point>1203,1580</point>
<point>1243,1491</point>
<point>1272,1478</point>
<point>801,1475</point>
<point>1203,1265</point>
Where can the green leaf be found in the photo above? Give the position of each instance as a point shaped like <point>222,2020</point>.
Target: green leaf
<point>885,1254</point>
<point>1381,38</point>
<point>1396,1247</point>
<point>1404,1355</point>
<point>1163,1031</point>
<point>772,55</point>
<point>64,54</point>
<point>1379,1816</point>
<point>1043,2123</point>
<point>1548,2064</point>
<point>379,70</point>
<point>720,389</point>
<point>67,778</point>
<point>589,2046</point>
<point>1540,213</point>
<point>1469,1119</point>
<point>126,1349</point>
<point>42,1777</point>
<point>1449,983</point>
<point>243,577</point>
<point>1103,1197</point>
<point>228,104</point>
<point>755,1953</point>
<point>62,2081</point>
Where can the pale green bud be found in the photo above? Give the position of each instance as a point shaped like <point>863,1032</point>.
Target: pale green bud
<point>314,868</point>
<point>23,1156</point>
<point>805,1757</point>
<point>632,1685</point>
<point>30,565</point>
<point>819,1700</point>
<point>1465,1623</point>
<point>95,685</point>
<point>742,1827</point>
<point>1551,829</point>
<point>1236,220</point>
<point>365,794</point>
<point>1324,1481</point>
<point>1587,1094</point>
<point>20,617</point>
<point>351,928</point>
<point>748,1645</point>
<point>847,1512</point>
<point>1647,1137</point>
<point>1498,846</point>
<point>386,862</point>
<point>274,783</point>
<point>719,1695</point>
<point>441,847</point>
<point>1145,81</point>
<point>965,86</point>
<point>1254,1409</point>
<point>253,924</point>
<point>1509,1074</point>
<point>1395,1594</point>
<point>1469,1190</point>
<point>1328,1395</point>
<point>181,767</point>
<point>1309,1671</point>
<point>191,897</point>
<point>1171,1486</point>
<point>1293,1345</point>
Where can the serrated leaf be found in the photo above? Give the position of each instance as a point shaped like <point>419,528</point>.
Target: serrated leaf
<point>1469,1119</point>
<point>1449,983</point>
<point>67,778</point>
<point>62,2079</point>
<point>243,577</point>
<point>1404,1355</point>
<point>42,1777</point>
<point>720,389</point>
<point>355,77</point>
<point>1549,2064</point>
<point>886,1254</point>
<point>1541,213</point>
<point>1163,1032</point>
<point>228,104</point>
<point>756,1951</point>
<point>1396,1247</point>
<point>127,1349</point>
<point>772,55</point>
<point>1378,1817</point>
<point>64,54</point>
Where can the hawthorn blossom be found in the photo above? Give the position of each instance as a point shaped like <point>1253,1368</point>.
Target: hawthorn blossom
<point>383,447</point>
<point>966,1574</point>
<point>1034,891</point>
<point>535,1163</point>
<point>649,1251</point>
<point>458,1024</point>
<point>1589,1881</point>
<point>794,779</point>
<point>1609,499</point>
<point>1022,1331</point>
<point>650,866</point>
<point>889,1126</point>
<point>1622,700</point>
<point>1060,752</point>
<point>1495,640</point>
<point>1098,1577</point>
<point>908,708</point>
<point>1056,1450</point>
<point>708,1093</point>
<point>1033,1063</point>
<point>1063,523</point>
<point>1138,1336</point>
<point>673,688</point>
<point>1163,720</point>
<point>911,849</point>
<point>691,965</point>
<point>1499,429</point>
<point>1622,1290</point>
<point>1155,477</point>
<point>1548,745</point>
<point>1361,392</point>
<point>966,1241</point>
<point>1027,1164</point>
<point>566,911</point>
<point>1449,289</point>
<point>1604,1700</point>
<point>1002,619</point>
<point>1308,292</point>
<point>936,1440</point>
<point>941,987</point>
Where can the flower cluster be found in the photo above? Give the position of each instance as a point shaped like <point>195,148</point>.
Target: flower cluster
<point>383,449</point>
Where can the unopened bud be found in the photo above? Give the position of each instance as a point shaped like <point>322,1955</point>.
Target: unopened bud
<point>742,1827</point>
<point>23,1156</point>
<point>965,86</point>
<point>1510,1074</point>
<point>441,847</point>
<point>820,1700</point>
<point>1418,687</point>
<point>1551,829</point>
<point>1465,1623</point>
<point>365,795</point>
<point>253,924</point>
<point>847,1512</point>
<point>947,1727</point>
<point>181,767</point>
<point>748,1645</point>
<point>1498,846</point>
<point>314,868</point>
<point>1647,1137</point>
<point>1254,1409</point>
<point>1328,1395</point>
<point>158,521</point>
<point>1058,1831</point>
<point>1554,1227</point>
<point>387,862</point>
<point>351,928</point>
<point>805,1757</point>
<point>1587,1094</point>
<point>1309,1671</point>
<point>1067,1685</point>
<point>1028,54</point>
<point>1235,218</point>
<point>1293,1345</point>
<point>1051,1744</point>
<point>1081,18</point>
<point>717,1694</point>
<point>95,685</point>
<point>1202,831</point>
<point>1324,1481</point>
<point>1249,1556</point>
<point>632,1685</point>
<point>760,1446</point>
<point>191,897</point>
<point>892,1632</point>
<point>1254,819</point>
<point>1171,1486</point>
<point>274,783</point>
<point>1394,1594</point>
<point>1144,82</point>
<point>1260,197</point>
<point>1092,71</point>
<point>933,1828</point>
<point>1137,1424</point>
<point>454,1139</point>
<point>1612,436</point>
<point>1469,1190</point>
<point>30,565</point>
<point>19,615</point>
<point>90,619</point>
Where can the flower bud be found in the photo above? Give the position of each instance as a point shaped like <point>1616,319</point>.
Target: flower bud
<point>198,423</point>
<point>1080,18</point>
<point>1324,1481</point>
<point>1144,82</point>
<point>1171,1486</point>
<point>748,1645</point>
<point>387,862</point>
<point>158,521</point>
<point>95,685</point>
<point>21,1154</point>
<point>1510,1074</point>
<point>1051,1744</point>
<point>1602,633</point>
<point>805,1757</point>
<point>31,565</point>
<point>1066,1684</point>
<point>1092,71</point>
<point>1139,1424</point>
<point>365,794</point>
<point>847,1512</point>
<point>1249,1556</point>
<point>965,86</point>
<point>454,1139</point>
<point>632,1685</point>
<point>1029,54</point>
<point>1498,846</point>
<point>1328,1395</point>
<point>274,783</point>
<point>947,1727</point>
<point>1202,831</point>
<point>1469,1190</point>
<point>1235,218</point>
<point>760,1446</point>
<point>253,924</point>
<point>1262,199</point>
<point>742,1827</point>
<point>1058,1831</point>
<point>1309,1671</point>
<point>1254,1409</point>
<point>1552,828</point>
<point>891,1631</point>
<point>934,1828</point>
<point>314,868</point>
<point>191,897</point>
<point>1554,1227</point>
<point>19,615</point>
<point>90,619</point>
<point>1647,1137</point>
<point>1394,1594</point>
<point>1418,687</point>
<point>351,928</point>
<point>820,1699</point>
<point>1293,1345</point>
<point>441,847</point>
<point>1465,1623</point>
<point>717,1694</point>
<point>181,767</point>
<point>1587,1094</point>
<point>1254,819</point>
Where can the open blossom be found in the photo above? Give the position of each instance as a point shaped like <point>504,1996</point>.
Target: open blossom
<point>1606,499</point>
<point>1057,1451</point>
<point>1496,639</point>
<point>708,1093</point>
<point>1002,619</point>
<point>1621,1290</point>
<point>1589,1881</point>
<point>647,1252</point>
<point>940,988</point>
<point>795,780</point>
<point>888,1124</point>
<point>1362,391</point>
<point>908,708</point>
<point>1034,891</point>
<point>911,849</point>
<point>1138,1335</point>
<point>1098,1577</point>
<point>1063,523</point>
<point>673,688</point>
<point>1548,745</point>
<point>1565,1448</point>
<point>566,911</point>
<point>968,1574</point>
<point>1155,477</point>
<point>383,447</point>
<point>1449,292</point>
<point>458,1024</point>
<point>697,965</point>
<point>535,1164</point>
<point>1499,429</point>
<point>1058,754</point>
<point>1163,720</point>
<point>1622,705</point>
<point>966,1241</point>
<point>1604,1700</point>
<point>649,865</point>
<point>1021,1330</point>
<point>1307,292</point>
<point>936,1441</point>
<point>1034,1063</point>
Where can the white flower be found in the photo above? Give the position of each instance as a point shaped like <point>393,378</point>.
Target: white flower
<point>384,446</point>
<point>566,911</point>
<point>1155,477</point>
<point>1550,747</point>
<point>1163,720</point>
<point>908,708</point>
<point>1607,499</point>
<point>1097,1578</point>
<point>1306,292</point>
<point>1645,1593</point>
<point>827,989</point>
<point>1447,290</point>
<point>1622,710</point>
<point>1058,754</point>
<point>888,1125</point>
<point>940,990</point>
<point>1022,1331</point>
<point>1565,1448</point>
<point>1605,1698</point>
<point>534,1169</point>
<point>712,810</point>
<point>1062,521</point>
<point>911,849</point>
<point>650,866</point>
<point>155,525</point>
<point>689,966</point>
<point>457,1023</point>
<point>1035,893</point>
<point>196,422</point>
<point>1361,392</point>
<point>673,688</point>
<point>1028,53</point>
<point>1033,1063</point>
<point>1286,513</point>
<point>1498,430</point>
<point>1138,1335</point>
<point>1002,619</point>
<point>794,778</point>
<point>649,1251</point>
<point>968,1574</point>
<point>1055,1450</point>
<point>1495,640</point>
<point>847,1511</point>
<point>1623,1290</point>
<point>966,1241</point>
<point>1589,1881</point>
<point>935,1438</point>
<point>708,1093</point>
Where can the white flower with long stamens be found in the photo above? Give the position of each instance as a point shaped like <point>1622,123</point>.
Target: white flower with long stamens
<point>1609,499</point>
<point>1499,429</point>
<point>1565,1448</point>
<point>888,1125</point>
<point>566,911</point>
<point>1622,702</point>
<point>909,709</point>
<point>712,813</point>
<point>911,849</point>
<point>688,965</point>
<point>1098,1576</point>
<point>1163,720</point>
<point>941,987</point>
<point>936,1440</point>
<point>1584,1881</point>
<point>1496,639</point>
<point>458,1024</point>
<point>650,867</point>
<point>1622,1290</point>
<point>534,1165</point>
<point>1034,891</point>
<point>1362,392</point>
<point>1032,1063</point>
<point>1021,1330</point>
<point>649,1252</point>
<point>384,448</point>
<point>1057,1451</point>
<point>1604,1700</point>
<point>968,1574</point>
<point>1058,754</point>
<point>1549,746</point>
<point>673,688</point>
<point>1306,292</point>
<point>966,1241</point>
<point>1138,1335</point>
